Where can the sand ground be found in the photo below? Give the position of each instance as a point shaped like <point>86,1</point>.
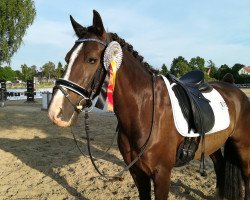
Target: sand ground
<point>246,91</point>
<point>41,161</point>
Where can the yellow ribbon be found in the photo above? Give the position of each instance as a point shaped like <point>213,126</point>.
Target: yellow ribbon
<point>111,85</point>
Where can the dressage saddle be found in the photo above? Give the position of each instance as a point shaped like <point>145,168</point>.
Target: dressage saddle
<point>195,107</point>
<point>196,110</point>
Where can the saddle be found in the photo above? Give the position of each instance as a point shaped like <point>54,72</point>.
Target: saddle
<point>196,110</point>
<point>195,107</point>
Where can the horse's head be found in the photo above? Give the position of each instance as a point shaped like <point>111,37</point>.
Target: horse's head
<point>84,75</point>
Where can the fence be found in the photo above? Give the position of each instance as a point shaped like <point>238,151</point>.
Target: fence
<point>30,91</point>
<point>30,94</point>
<point>247,85</point>
<point>3,96</point>
<point>21,94</point>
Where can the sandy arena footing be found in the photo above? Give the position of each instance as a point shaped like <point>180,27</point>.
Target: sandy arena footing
<point>41,161</point>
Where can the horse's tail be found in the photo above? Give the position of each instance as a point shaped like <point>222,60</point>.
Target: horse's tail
<point>230,187</point>
<point>229,78</point>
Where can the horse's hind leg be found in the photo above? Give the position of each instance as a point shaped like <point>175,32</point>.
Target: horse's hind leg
<point>241,140</point>
<point>237,152</point>
<point>244,153</point>
<point>219,163</point>
<point>247,187</point>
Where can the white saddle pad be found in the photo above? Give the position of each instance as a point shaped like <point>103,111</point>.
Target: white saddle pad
<point>217,103</point>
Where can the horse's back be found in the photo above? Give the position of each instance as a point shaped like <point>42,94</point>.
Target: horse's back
<point>238,105</point>
<point>236,100</point>
<point>239,111</point>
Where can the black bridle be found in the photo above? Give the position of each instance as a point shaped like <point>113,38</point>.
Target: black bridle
<point>93,88</point>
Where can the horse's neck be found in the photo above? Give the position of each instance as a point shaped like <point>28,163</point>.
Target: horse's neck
<point>132,77</point>
<point>133,90</point>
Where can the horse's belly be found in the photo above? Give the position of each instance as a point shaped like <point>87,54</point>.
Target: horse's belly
<point>212,143</point>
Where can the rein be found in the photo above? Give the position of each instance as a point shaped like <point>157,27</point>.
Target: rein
<point>143,148</point>
<point>89,139</point>
<point>64,85</point>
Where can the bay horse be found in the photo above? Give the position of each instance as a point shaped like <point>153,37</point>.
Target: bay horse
<point>138,96</point>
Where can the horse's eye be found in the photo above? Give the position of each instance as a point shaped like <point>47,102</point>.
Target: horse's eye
<point>92,60</point>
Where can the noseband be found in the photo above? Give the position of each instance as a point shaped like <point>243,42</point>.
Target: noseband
<point>64,85</point>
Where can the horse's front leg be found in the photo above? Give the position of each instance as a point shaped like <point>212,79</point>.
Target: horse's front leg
<point>141,180</point>
<point>162,181</point>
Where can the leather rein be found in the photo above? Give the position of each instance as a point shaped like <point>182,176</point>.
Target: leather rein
<point>87,95</point>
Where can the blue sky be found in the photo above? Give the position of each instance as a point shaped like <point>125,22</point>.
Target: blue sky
<point>159,30</point>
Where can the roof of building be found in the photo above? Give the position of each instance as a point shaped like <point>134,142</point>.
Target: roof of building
<point>247,69</point>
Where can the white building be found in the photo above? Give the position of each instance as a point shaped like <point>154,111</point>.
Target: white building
<point>245,70</point>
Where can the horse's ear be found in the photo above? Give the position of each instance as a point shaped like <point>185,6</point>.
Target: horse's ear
<point>97,23</point>
<point>79,29</point>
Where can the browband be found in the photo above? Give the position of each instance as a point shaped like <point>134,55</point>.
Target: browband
<point>91,40</point>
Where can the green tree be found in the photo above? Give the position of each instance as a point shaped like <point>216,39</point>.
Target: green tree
<point>235,72</point>
<point>183,68</point>
<point>33,70</point>
<point>7,74</point>
<point>25,72</point>
<point>244,79</point>
<point>179,66</point>
<point>198,63</point>
<point>164,70</point>
<point>19,75</point>
<point>213,72</point>
<point>223,70</point>
<point>59,71</point>
<point>15,17</point>
<point>48,70</point>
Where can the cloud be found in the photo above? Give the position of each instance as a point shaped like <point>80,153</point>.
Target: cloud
<point>48,32</point>
<point>161,31</point>
<point>202,30</point>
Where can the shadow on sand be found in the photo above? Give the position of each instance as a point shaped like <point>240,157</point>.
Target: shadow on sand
<point>43,154</point>
<point>47,154</point>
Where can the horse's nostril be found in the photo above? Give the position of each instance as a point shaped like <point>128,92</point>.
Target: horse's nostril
<point>59,113</point>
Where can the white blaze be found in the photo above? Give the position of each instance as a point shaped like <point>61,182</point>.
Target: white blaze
<point>57,101</point>
<point>72,60</point>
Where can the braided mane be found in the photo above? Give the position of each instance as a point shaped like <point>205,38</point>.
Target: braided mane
<point>130,48</point>
<point>123,43</point>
